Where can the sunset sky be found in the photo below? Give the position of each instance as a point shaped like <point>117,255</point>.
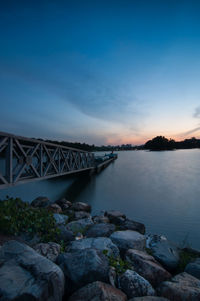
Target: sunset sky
<point>102,72</point>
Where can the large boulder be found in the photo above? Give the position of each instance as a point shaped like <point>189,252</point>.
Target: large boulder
<point>146,266</point>
<point>98,291</point>
<point>148,298</point>
<point>50,250</point>
<point>134,285</point>
<point>128,239</point>
<point>83,266</point>
<point>41,202</point>
<point>164,251</point>
<point>182,287</point>
<point>193,268</point>
<point>80,206</point>
<point>60,219</point>
<point>115,217</point>
<point>132,225</point>
<point>26,275</point>
<point>100,230</point>
<point>99,243</point>
<point>80,226</point>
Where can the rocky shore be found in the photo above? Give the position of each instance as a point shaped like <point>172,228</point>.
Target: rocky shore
<point>59,251</point>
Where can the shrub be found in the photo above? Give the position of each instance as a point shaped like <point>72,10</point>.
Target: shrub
<point>18,217</point>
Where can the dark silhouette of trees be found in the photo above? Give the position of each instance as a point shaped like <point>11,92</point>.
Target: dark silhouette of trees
<point>162,143</point>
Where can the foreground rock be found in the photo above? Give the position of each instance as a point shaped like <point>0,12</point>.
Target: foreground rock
<point>55,208</point>
<point>182,287</point>
<point>65,234</point>
<point>99,243</point>
<point>100,219</point>
<point>60,219</point>
<point>132,225</point>
<point>81,214</point>
<point>164,251</point>
<point>80,225</point>
<point>146,266</point>
<point>26,275</point>
<point>100,230</point>
<point>83,266</point>
<point>148,298</point>
<point>98,291</point>
<point>41,202</point>
<point>50,250</point>
<point>133,285</point>
<point>193,268</point>
<point>80,206</point>
<point>128,239</point>
<point>64,204</point>
<point>115,217</point>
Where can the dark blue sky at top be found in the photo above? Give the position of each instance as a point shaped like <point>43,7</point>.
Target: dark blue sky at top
<point>99,71</point>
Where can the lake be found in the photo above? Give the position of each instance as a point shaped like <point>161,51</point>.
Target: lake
<point>159,189</point>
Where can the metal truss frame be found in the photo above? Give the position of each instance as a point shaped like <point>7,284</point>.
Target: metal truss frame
<point>23,159</point>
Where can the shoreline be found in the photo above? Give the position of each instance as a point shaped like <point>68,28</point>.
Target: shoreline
<point>107,253</point>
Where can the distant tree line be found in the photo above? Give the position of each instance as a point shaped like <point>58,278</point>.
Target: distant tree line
<point>162,143</point>
<point>157,143</point>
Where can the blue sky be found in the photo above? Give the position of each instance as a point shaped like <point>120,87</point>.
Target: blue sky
<point>100,71</point>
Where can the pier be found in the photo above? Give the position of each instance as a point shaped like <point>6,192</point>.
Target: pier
<point>24,159</point>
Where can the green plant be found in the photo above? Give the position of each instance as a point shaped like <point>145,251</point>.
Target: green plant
<point>149,251</point>
<point>185,258</point>
<point>18,217</point>
<point>120,265</point>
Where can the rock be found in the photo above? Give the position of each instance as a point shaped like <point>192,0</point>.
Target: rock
<point>166,252</point>
<point>64,204</point>
<point>133,285</point>
<point>132,225</point>
<point>55,208</point>
<point>50,250</point>
<point>65,234</point>
<point>112,276</point>
<point>80,225</point>
<point>99,243</point>
<point>182,287</point>
<point>81,214</point>
<point>61,219</point>
<point>100,219</point>
<point>193,268</point>
<point>100,230</point>
<point>41,201</point>
<point>98,291</point>
<point>28,238</point>
<point>128,239</point>
<point>115,217</point>
<point>83,266</point>
<point>26,275</point>
<point>80,206</point>
<point>148,298</point>
<point>146,266</point>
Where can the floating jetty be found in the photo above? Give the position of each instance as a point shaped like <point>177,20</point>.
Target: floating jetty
<point>102,162</point>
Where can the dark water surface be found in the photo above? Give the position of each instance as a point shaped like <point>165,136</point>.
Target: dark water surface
<point>160,189</point>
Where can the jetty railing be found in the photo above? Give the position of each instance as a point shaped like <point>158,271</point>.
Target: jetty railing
<point>23,159</point>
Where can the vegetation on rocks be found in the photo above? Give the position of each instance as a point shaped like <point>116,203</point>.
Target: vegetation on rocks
<point>116,262</point>
<point>17,217</point>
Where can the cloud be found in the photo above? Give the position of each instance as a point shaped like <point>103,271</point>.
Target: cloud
<point>197,112</point>
<point>83,84</point>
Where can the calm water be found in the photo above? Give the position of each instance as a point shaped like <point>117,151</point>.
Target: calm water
<point>160,189</point>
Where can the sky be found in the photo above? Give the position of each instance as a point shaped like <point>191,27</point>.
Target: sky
<point>102,72</point>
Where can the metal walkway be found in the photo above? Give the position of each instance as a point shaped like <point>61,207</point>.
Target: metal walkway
<point>23,159</point>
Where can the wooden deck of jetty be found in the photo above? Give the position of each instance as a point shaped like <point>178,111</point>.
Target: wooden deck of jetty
<point>24,159</point>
